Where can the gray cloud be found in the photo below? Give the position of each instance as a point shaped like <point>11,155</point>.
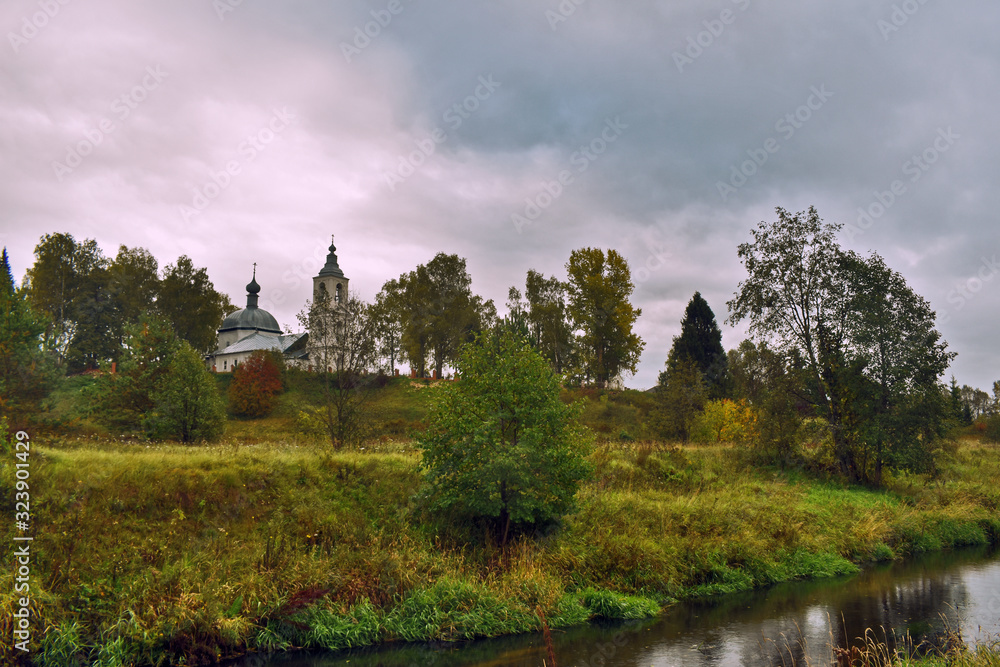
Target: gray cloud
<point>689,125</point>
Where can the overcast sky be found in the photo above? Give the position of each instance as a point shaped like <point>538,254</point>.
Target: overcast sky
<point>511,132</point>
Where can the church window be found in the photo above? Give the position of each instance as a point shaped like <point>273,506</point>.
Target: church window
<point>338,292</point>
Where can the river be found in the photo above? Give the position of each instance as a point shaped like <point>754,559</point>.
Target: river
<point>795,623</point>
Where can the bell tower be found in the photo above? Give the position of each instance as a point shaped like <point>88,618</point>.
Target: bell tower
<point>331,280</point>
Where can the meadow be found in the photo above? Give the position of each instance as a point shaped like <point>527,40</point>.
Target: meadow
<point>154,553</point>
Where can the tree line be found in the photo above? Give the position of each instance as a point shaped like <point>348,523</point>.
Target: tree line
<point>839,343</point>
<point>87,299</point>
<point>582,325</point>
<point>842,351</point>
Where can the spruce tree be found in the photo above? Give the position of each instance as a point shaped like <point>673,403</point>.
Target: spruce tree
<point>700,343</point>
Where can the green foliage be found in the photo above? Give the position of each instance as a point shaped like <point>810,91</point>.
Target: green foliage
<point>188,404</point>
<point>189,301</point>
<point>598,291</point>
<point>772,383</point>
<point>454,610</point>
<point>255,385</point>
<point>134,284</point>
<point>992,431</point>
<point>69,283</point>
<point>441,312</point>
<point>726,421</point>
<point>125,399</point>
<point>171,554</point>
<point>545,318</point>
<point>681,395</point>
<point>388,314</point>
<point>615,606</point>
<point>500,445</point>
<point>26,373</point>
<point>342,344</point>
<point>701,343</point>
<point>868,348</point>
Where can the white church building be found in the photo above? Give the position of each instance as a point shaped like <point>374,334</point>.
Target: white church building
<point>251,329</point>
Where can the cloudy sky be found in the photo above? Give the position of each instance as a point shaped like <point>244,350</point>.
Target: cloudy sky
<point>511,133</point>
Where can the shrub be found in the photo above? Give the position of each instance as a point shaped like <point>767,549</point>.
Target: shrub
<point>256,385</point>
<point>991,430</point>
<point>726,421</point>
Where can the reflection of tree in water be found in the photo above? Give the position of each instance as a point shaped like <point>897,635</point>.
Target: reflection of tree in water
<point>917,605</point>
<point>918,610</point>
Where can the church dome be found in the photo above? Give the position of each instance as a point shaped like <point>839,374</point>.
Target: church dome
<point>252,317</point>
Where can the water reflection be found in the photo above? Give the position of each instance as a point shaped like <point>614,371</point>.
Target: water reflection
<point>785,625</point>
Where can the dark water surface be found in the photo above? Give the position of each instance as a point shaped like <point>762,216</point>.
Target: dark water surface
<point>784,625</point>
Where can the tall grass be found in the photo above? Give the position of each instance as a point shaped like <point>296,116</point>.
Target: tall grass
<point>153,553</point>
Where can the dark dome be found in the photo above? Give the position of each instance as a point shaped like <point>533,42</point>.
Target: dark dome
<point>251,317</point>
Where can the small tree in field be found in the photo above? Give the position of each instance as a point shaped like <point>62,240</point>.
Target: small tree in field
<point>188,404</point>
<point>500,445</point>
<point>256,385</point>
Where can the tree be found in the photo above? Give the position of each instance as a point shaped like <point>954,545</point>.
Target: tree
<point>342,348</point>
<point>190,303</point>
<point>68,284</point>
<point>701,343</point>
<point>96,330</point>
<point>125,399</point>
<point>188,404</point>
<point>501,446</point>
<point>547,317</point>
<point>388,313</point>
<point>26,374</point>
<point>680,396</point>
<point>598,290</point>
<point>255,385</point>
<point>867,342</point>
<point>441,312</point>
<point>134,284</point>
<point>772,383</point>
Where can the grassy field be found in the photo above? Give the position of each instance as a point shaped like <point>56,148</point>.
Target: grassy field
<point>150,553</point>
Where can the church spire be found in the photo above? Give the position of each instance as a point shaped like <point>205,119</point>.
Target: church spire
<point>253,289</point>
<point>332,268</point>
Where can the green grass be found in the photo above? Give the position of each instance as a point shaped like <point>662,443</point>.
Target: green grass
<point>148,552</point>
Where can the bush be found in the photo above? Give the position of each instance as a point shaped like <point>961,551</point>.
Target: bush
<point>256,385</point>
<point>726,421</point>
<point>991,430</point>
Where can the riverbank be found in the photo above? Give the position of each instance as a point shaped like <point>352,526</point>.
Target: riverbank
<point>147,554</point>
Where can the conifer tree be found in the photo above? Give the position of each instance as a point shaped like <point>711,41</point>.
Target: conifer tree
<point>700,343</point>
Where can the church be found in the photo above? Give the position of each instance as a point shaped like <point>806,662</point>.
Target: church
<point>251,329</point>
